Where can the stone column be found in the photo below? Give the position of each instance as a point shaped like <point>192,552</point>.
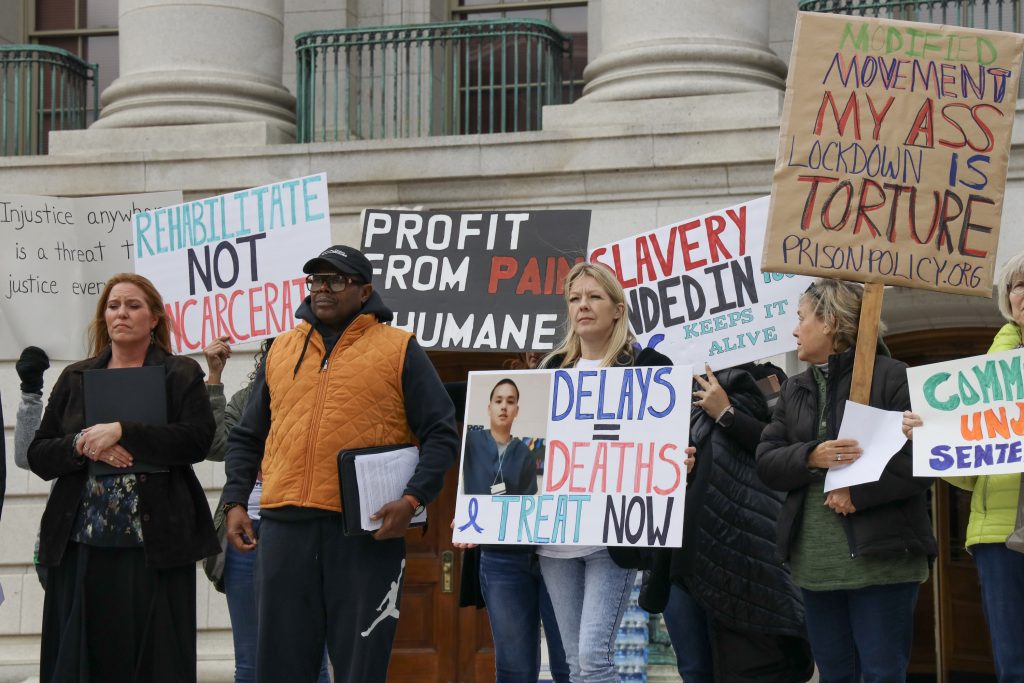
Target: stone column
<point>187,62</point>
<point>666,48</point>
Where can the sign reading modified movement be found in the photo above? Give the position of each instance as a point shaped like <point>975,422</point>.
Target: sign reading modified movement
<point>476,281</point>
<point>893,153</point>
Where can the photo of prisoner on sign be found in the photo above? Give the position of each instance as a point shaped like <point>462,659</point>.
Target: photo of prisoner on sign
<point>505,434</point>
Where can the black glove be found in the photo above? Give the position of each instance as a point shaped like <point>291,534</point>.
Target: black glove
<point>30,366</point>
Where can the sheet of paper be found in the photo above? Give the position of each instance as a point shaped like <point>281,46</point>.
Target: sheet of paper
<point>880,434</point>
<point>382,478</point>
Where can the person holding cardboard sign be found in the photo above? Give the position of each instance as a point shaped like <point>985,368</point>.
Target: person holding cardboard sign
<point>590,585</point>
<point>860,553</point>
<point>995,504</point>
<point>121,548</point>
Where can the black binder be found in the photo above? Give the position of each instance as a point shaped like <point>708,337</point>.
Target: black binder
<point>125,395</point>
<point>351,513</point>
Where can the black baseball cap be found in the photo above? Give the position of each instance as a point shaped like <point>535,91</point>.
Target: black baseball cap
<point>342,258</point>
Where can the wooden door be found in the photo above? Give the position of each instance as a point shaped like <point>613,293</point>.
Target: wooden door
<point>436,640</point>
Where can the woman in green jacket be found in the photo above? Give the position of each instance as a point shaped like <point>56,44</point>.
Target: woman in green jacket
<point>994,502</point>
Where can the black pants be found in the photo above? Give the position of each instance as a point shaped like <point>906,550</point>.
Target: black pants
<point>316,585</point>
<point>107,618</point>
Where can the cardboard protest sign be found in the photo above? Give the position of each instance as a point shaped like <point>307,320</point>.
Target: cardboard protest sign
<point>476,281</point>
<point>232,264</point>
<point>694,289</point>
<point>973,414</point>
<point>597,457</point>
<point>893,153</point>
<point>57,254</point>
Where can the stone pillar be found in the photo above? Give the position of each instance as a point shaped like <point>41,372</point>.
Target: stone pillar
<point>666,48</point>
<point>187,62</point>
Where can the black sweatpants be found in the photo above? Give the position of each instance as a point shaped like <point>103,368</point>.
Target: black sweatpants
<point>316,585</point>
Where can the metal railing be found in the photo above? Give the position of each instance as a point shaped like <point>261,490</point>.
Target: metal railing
<point>42,89</point>
<point>998,15</point>
<point>452,78</point>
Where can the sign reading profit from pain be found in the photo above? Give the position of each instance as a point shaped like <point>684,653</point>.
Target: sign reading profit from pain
<point>893,153</point>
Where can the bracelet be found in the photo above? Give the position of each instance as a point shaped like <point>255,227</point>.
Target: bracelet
<point>74,443</point>
<point>227,506</point>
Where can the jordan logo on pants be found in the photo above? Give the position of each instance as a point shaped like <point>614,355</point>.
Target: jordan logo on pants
<point>389,605</point>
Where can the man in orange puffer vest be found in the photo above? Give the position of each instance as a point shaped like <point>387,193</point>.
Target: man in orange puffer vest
<point>340,379</point>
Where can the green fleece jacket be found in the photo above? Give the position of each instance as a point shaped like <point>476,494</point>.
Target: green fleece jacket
<point>995,497</point>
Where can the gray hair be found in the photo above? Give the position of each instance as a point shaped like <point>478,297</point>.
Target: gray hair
<point>1012,269</point>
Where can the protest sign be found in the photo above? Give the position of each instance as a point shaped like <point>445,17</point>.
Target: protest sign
<point>611,470</point>
<point>476,281</point>
<point>973,414</point>
<point>232,264</point>
<point>57,254</point>
<point>695,291</point>
<point>893,153</point>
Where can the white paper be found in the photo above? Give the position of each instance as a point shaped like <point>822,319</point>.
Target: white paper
<point>382,478</point>
<point>879,433</point>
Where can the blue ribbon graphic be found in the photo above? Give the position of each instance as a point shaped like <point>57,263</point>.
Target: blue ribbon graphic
<point>474,509</point>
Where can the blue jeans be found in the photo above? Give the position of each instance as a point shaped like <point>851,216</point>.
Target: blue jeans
<point>864,632</point>
<point>1001,573</point>
<point>687,626</point>
<point>589,595</point>
<point>517,603</point>
<point>241,595</point>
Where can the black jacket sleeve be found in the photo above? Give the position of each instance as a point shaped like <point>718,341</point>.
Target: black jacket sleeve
<point>186,438</point>
<point>431,417</point>
<point>50,454</point>
<point>245,443</point>
<point>3,462</point>
<point>782,463</point>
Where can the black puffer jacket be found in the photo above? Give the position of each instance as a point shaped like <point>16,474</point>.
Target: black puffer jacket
<point>727,562</point>
<point>892,514</point>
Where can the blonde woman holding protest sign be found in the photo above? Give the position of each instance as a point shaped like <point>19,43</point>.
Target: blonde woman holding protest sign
<point>995,501</point>
<point>859,554</point>
<point>590,585</point>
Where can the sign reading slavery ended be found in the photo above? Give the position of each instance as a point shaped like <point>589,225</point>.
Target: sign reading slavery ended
<point>477,281</point>
<point>695,291</point>
<point>973,414</point>
<point>57,254</point>
<point>575,457</point>
<point>893,153</point>
<point>232,264</point>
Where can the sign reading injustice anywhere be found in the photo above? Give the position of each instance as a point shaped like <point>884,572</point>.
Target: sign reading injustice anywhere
<point>232,264</point>
<point>612,471</point>
<point>477,281</point>
<point>57,255</point>
<point>973,413</point>
<point>695,291</point>
<point>893,153</point>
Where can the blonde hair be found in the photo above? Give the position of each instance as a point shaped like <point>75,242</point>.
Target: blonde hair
<point>1004,280</point>
<point>837,303</point>
<point>99,336</point>
<point>620,342</point>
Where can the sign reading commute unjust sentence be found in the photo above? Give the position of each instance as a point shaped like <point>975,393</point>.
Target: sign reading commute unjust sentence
<point>696,292</point>
<point>476,281</point>
<point>893,153</point>
<point>973,414</point>
<point>597,458</point>
<point>58,252</point>
<point>232,264</point>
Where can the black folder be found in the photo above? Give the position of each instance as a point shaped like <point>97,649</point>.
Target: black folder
<point>125,395</point>
<point>349,485</point>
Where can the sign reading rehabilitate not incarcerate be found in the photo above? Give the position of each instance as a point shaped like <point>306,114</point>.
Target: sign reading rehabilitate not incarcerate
<point>232,264</point>
<point>57,254</point>
<point>477,281</point>
<point>893,153</point>
<point>695,290</point>
<point>973,413</point>
<point>597,458</point>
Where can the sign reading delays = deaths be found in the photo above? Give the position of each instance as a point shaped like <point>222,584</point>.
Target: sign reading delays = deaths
<point>476,281</point>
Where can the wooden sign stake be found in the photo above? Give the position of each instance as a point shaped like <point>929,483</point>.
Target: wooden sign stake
<point>867,343</point>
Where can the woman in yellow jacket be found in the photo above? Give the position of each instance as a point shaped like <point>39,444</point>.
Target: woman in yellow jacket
<point>994,501</point>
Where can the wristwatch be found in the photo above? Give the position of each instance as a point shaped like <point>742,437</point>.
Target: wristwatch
<point>417,506</point>
<point>727,418</point>
<point>227,506</point>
